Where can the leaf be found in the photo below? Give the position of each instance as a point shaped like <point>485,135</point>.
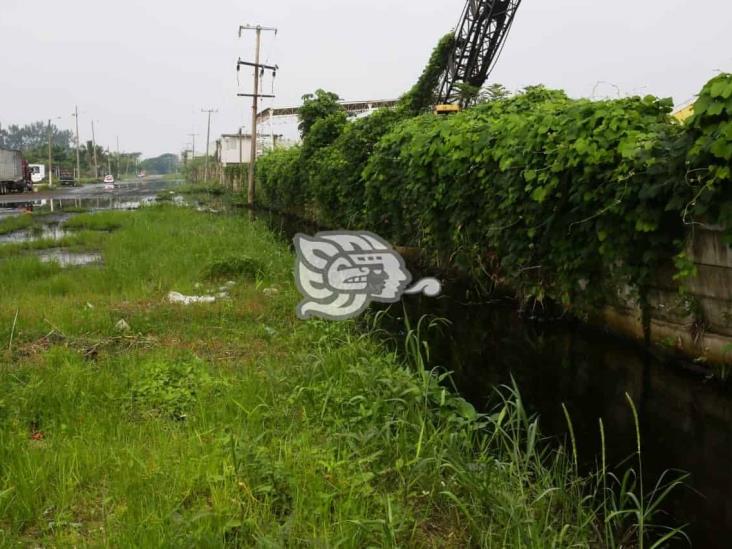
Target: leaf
<point>722,88</point>
<point>722,149</point>
<point>539,194</point>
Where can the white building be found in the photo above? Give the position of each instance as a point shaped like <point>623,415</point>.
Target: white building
<point>234,148</point>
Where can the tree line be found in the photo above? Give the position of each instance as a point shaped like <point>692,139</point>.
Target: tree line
<point>33,140</point>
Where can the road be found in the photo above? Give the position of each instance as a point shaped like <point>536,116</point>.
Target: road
<point>127,189</point>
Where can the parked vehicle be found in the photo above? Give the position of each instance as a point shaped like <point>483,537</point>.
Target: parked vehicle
<point>64,176</point>
<point>38,172</point>
<point>15,175</point>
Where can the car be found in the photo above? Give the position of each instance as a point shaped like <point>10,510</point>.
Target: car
<point>109,179</point>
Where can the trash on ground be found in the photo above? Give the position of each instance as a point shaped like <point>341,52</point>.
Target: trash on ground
<point>176,297</point>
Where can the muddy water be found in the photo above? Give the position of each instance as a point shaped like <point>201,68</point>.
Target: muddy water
<point>685,419</point>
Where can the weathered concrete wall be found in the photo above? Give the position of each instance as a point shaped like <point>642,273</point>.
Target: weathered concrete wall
<point>697,323</point>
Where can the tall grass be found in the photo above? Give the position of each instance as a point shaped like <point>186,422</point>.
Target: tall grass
<point>235,424</point>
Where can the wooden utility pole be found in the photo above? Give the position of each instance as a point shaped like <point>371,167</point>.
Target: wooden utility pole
<point>78,159</point>
<point>255,102</point>
<point>208,141</point>
<point>50,155</point>
<point>94,147</point>
<point>193,154</point>
<point>241,163</point>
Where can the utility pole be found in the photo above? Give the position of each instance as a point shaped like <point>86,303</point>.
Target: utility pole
<point>118,158</point>
<point>50,156</point>
<point>94,147</point>
<point>208,140</point>
<point>241,164</point>
<point>255,100</point>
<point>193,155</point>
<point>78,160</point>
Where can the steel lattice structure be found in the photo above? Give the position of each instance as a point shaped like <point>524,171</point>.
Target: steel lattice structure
<point>480,37</point>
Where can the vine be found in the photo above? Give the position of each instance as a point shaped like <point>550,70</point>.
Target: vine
<point>570,199</point>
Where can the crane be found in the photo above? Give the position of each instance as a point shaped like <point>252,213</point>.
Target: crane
<point>479,40</point>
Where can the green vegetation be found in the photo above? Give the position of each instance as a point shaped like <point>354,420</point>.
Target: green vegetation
<point>233,423</point>
<point>555,197</point>
<point>32,139</point>
<point>15,223</point>
<point>422,96</point>
<point>163,164</point>
<point>104,221</point>
<point>710,156</point>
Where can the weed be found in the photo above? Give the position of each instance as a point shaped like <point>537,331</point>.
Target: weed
<point>239,266</point>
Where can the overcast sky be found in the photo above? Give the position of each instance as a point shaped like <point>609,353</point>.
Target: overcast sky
<point>143,69</point>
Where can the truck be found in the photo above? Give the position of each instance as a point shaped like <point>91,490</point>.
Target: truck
<point>38,172</point>
<point>15,175</point>
<point>64,176</point>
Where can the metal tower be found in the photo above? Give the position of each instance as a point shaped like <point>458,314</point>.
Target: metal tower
<point>480,36</point>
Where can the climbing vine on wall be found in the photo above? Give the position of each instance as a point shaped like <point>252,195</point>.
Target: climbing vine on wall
<point>710,157</point>
<point>566,198</point>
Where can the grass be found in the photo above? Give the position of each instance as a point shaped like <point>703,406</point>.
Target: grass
<point>234,424</point>
<point>16,223</point>
<point>106,221</point>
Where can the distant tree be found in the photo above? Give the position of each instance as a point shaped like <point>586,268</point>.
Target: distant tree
<point>32,136</point>
<point>469,95</point>
<point>165,163</point>
<point>494,92</point>
<point>316,107</point>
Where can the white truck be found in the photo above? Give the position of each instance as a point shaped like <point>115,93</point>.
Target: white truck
<point>38,172</point>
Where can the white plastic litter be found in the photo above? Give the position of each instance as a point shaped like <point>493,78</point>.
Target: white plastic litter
<point>176,297</point>
<point>122,326</point>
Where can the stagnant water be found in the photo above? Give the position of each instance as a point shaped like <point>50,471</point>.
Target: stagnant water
<point>685,419</point>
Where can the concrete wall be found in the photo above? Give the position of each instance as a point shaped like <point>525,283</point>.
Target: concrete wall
<point>698,323</point>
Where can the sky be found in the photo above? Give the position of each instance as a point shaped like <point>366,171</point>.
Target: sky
<point>144,69</point>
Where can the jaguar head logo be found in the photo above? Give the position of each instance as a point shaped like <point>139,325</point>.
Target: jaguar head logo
<point>340,273</point>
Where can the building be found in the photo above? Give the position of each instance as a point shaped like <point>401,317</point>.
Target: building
<point>684,113</point>
<point>234,148</point>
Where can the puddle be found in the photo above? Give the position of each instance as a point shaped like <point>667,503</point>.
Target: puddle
<point>45,232</point>
<point>66,258</point>
<point>129,196</point>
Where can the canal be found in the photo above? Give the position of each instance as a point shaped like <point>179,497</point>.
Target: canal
<point>685,418</point>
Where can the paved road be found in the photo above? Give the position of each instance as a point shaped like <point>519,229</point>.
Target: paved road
<point>127,188</point>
